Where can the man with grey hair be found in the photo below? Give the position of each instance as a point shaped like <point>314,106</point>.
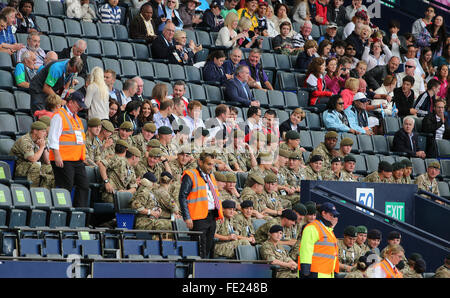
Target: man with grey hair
<point>33,45</point>
<point>258,78</point>
<point>237,89</point>
<point>405,140</point>
<point>25,70</point>
<point>298,41</point>
<point>230,65</point>
<point>50,57</point>
<point>78,50</point>
<point>128,91</point>
<point>140,89</point>
<point>410,70</point>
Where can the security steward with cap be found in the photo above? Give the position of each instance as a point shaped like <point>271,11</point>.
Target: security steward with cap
<point>382,175</point>
<point>66,141</point>
<point>349,252</point>
<point>273,251</point>
<point>200,203</point>
<point>318,247</point>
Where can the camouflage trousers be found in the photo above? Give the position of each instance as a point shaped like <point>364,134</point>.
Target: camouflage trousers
<point>291,198</point>
<point>40,175</point>
<point>228,248</point>
<point>295,250</point>
<point>151,223</point>
<point>285,273</point>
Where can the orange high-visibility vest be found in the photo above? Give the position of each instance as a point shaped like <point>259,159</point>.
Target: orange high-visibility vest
<point>70,148</point>
<point>197,200</point>
<point>326,251</point>
<point>388,270</point>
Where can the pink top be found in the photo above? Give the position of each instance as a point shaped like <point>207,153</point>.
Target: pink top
<point>443,91</point>
<point>347,96</point>
<point>335,84</point>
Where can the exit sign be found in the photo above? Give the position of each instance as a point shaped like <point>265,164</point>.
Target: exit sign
<point>395,210</point>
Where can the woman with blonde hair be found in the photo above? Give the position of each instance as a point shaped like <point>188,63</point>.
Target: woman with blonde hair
<point>52,103</point>
<point>389,266</point>
<point>97,95</point>
<point>228,36</point>
<point>185,50</point>
<point>250,38</point>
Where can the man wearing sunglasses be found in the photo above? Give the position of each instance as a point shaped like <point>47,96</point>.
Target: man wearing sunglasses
<point>376,75</point>
<point>410,70</point>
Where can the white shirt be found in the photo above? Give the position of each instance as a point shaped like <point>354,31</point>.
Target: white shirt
<point>193,125</point>
<point>211,205</point>
<point>440,130</point>
<point>56,128</point>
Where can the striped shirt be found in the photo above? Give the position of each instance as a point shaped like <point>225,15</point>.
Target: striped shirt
<point>109,14</point>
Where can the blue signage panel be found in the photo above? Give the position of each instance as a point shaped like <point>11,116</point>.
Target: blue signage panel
<point>231,270</point>
<point>133,270</point>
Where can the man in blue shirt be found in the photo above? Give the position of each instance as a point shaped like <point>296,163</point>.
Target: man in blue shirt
<point>25,71</point>
<point>7,40</point>
<point>230,65</point>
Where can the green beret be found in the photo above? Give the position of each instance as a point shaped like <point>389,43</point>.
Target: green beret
<point>135,151</point>
<point>296,155</point>
<point>270,178</point>
<point>231,177</point>
<point>164,130</point>
<point>39,125</point>
<point>284,153</point>
<point>127,125</point>
<point>397,166</point>
<point>256,178</point>
<point>384,166</point>
<point>151,127</point>
<point>311,207</point>
<point>361,229</point>
<point>350,231</point>
<point>154,143</point>
<point>122,142</point>
<point>434,164</point>
<point>346,142</point>
<point>300,208</point>
<point>292,135</point>
<point>106,124</point>
<point>45,119</point>
<point>349,157</point>
<point>155,152</point>
<point>331,134</point>
<point>407,163</point>
<point>220,177</point>
<point>94,122</point>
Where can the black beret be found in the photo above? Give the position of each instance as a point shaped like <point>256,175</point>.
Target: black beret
<point>300,208</point>
<point>275,229</point>
<point>384,166</point>
<point>289,214</point>
<point>394,235</point>
<point>374,234</point>
<point>247,204</point>
<point>150,177</point>
<point>228,204</point>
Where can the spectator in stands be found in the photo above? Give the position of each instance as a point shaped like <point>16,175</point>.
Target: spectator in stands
<point>250,38</point>
<point>253,122</point>
<point>321,12</point>
<point>179,90</point>
<point>335,118</point>
<point>237,89</point>
<point>50,57</point>
<point>428,182</point>
<point>282,43</point>
<point>228,36</point>
<point>410,67</point>
<point>232,62</point>
<point>411,53</point>
<point>336,13</point>
<point>444,59</point>
<point>306,56</point>
<point>128,91</point>
<point>330,33</point>
<point>213,70</point>
<point>420,24</point>
<point>159,93</point>
<point>265,26</point>
<point>333,78</point>
<point>376,53</point>
<point>375,76</point>
<point>188,15</point>
<point>142,25</point>
<point>219,121</point>
<point>56,77</point>
<point>228,6</point>
<point>212,17</point>
<point>113,114</point>
<point>315,79</point>
<point>443,78</point>
<point>425,101</point>
<point>52,104</point>
<point>281,13</point>
<point>249,11</point>
<point>7,40</point>
<point>169,12</point>
<point>163,47</point>
<point>406,140</point>
<point>404,97</point>
<point>359,39</point>
<point>80,9</point>
<point>97,95</point>
<point>301,12</point>
<point>396,43</point>
<point>351,88</point>
<point>357,115</point>
<point>157,5</point>
<point>193,120</point>
<point>25,70</point>
<point>338,48</point>
<point>387,93</point>
<point>426,63</point>
<point>324,50</point>
<point>303,36</point>
<point>110,79</point>
<point>350,53</point>
<point>185,50</point>
<point>77,50</point>
<point>26,21</point>
<point>33,45</point>
<point>130,114</point>
<point>437,125</point>
<point>258,78</point>
<point>352,9</point>
<point>434,35</point>
<point>110,12</point>
<point>297,116</point>
<point>140,89</point>
<point>145,114</point>
<point>161,118</point>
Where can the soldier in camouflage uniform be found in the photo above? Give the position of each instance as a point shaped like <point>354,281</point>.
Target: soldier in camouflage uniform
<point>407,171</point>
<point>241,157</point>
<point>292,142</point>
<point>254,192</point>
<point>272,200</point>
<point>221,180</point>
<point>222,161</point>
<point>335,172</point>
<point>125,133</point>
<point>372,243</point>
<point>383,175</point>
<point>283,187</point>
<point>301,212</point>
<point>349,167</point>
<point>287,220</point>
<point>33,157</point>
<point>415,266</point>
<point>361,237</point>
<point>243,223</point>
<point>106,140</point>
<point>273,251</point>
<point>295,174</point>
<point>199,142</point>
<point>184,161</point>
<point>93,142</point>
<point>326,149</point>
<point>145,202</point>
<point>230,188</point>
<point>349,252</point>
<point>393,238</point>
<point>265,161</point>
<point>397,172</point>
<point>313,170</point>
<point>141,140</point>
<point>345,147</point>
<point>427,181</point>
<point>118,173</point>
<point>166,200</point>
<point>444,270</point>
<point>228,236</point>
<point>152,163</point>
<point>165,138</point>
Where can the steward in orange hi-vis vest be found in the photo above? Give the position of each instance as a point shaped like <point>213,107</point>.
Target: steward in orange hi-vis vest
<point>387,271</point>
<point>72,140</point>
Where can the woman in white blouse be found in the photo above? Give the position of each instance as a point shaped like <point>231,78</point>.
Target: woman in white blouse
<point>377,57</point>
<point>97,95</point>
<point>385,94</point>
<point>227,35</point>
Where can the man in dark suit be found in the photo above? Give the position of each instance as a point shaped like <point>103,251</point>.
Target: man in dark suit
<point>78,50</point>
<point>436,124</point>
<point>138,27</point>
<point>237,89</point>
<point>219,121</point>
<point>140,89</point>
<point>405,140</point>
<point>376,75</point>
<point>163,47</point>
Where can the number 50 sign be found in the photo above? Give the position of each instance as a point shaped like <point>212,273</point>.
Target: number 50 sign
<point>365,196</point>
